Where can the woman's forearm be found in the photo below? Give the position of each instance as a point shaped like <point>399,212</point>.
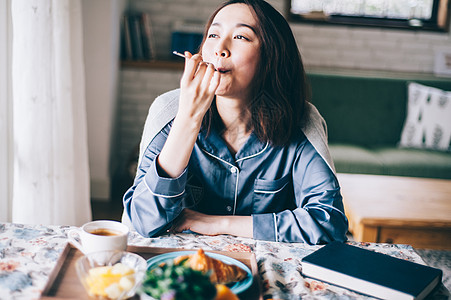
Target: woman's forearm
<point>237,225</point>
<point>213,224</point>
<point>175,155</point>
<point>198,85</point>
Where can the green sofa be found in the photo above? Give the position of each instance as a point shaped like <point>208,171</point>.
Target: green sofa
<point>365,115</point>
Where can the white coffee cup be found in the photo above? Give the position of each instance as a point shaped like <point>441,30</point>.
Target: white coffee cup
<point>101,235</point>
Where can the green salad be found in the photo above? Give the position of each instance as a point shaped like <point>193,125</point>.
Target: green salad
<point>169,282</point>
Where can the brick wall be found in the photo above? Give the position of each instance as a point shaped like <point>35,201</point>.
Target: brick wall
<point>320,46</point>
<point>138,89</point>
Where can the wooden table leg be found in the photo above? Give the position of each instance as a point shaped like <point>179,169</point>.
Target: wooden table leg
<point>364,233</point>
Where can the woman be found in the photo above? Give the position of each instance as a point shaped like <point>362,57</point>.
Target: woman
<point>238,158</point>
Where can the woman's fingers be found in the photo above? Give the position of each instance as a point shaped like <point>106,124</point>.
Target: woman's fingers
<point>191,66</point>
<point>176,224</point>
<point>214,82</point>
<point>198,86</point>
<point>181,223</point>
<point>196,222</point>
<point>199,73</point>
<point>209,78</point>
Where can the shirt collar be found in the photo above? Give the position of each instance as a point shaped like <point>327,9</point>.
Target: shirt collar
<point>215,145</point>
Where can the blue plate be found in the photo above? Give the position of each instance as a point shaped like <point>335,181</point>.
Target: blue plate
<point>236,287</point>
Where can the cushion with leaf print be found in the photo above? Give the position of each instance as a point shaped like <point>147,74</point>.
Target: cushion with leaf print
<point>428,120</point>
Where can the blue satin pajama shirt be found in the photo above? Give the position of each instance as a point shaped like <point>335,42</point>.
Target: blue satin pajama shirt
<point>290,192</point>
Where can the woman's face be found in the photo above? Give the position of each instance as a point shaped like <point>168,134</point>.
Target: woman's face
<point>233,47</point>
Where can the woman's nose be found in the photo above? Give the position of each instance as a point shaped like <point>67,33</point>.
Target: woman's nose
<point>222,52</point>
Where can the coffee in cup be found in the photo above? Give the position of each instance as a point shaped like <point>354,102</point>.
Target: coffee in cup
<point>101,235</point>
<point>105,232</point>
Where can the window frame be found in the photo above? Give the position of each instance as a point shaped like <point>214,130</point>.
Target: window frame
<point>439,21</point>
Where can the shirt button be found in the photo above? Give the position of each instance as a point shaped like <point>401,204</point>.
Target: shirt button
<point>233,170</point>
<point>229,208</point>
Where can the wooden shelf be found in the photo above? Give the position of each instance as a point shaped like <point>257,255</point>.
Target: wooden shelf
<point>153,64</point>
<point>178,65</point>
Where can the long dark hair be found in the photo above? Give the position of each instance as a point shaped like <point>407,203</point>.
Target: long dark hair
<point>280,90</point>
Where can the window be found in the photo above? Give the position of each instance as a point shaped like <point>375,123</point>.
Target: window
<point>407,14</point>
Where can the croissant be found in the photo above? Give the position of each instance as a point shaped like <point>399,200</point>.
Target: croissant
<point>220,272</point>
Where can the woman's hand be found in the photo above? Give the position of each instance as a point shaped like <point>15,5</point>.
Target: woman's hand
<point>198,86</point>
<point>212,224</point>
<point>197,222</point>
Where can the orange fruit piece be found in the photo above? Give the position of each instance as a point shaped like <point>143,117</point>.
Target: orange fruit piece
<point>223,292</point>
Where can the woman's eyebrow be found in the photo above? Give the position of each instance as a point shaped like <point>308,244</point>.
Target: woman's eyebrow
<point>236,26</point>
<point>246,25</point>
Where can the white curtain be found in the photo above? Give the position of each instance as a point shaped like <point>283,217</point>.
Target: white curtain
<point>51,172</point>
<point>5,113</point>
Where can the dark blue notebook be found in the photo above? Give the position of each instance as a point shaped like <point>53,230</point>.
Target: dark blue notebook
<point>371,273</point>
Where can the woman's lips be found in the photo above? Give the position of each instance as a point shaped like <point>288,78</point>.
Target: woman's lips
<point>223,70</point>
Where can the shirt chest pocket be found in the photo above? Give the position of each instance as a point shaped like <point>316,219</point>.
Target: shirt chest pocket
<point>271,195</point>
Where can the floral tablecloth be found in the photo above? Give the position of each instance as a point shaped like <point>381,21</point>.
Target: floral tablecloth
<point>28,253</point>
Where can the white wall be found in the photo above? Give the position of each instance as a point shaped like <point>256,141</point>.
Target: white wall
<point>101,19</point>
<point>138,89</point>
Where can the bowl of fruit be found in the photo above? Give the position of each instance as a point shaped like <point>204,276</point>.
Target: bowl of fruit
<point>111,274</point>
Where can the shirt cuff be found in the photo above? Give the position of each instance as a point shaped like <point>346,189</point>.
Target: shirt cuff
<point>264,227</point>
<point>163,186</point>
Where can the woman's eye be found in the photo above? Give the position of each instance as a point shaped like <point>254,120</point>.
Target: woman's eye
<point>240,37</point>
<point>212,36</point>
